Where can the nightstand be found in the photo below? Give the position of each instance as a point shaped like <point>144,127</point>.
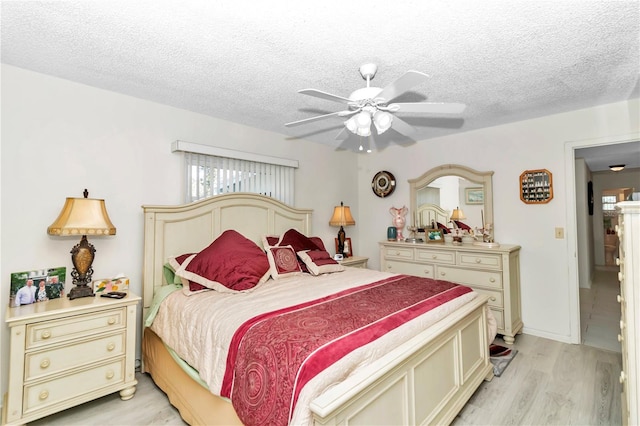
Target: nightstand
<point>355,261</point>
<point>65,352</point>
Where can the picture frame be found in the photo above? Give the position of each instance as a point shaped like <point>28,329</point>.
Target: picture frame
<point>474,195</point>
<point>46,284</point>
<point>348,247</point>
<point>434,235</point>
<point>536,186</point>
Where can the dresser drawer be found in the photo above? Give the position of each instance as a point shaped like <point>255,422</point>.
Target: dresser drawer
<point>495,297</point>
<point>44,394</point>
<point>398,253</point>
<point>488,261</point>
<point>410,269</point>
<point>470,277</point>
<point>48,332</point>
<point>53,360</point>
<point>435,256</point>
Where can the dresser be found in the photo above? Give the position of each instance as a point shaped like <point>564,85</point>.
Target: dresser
<point>65,352</point>
<point>491,271</point>
<point>628,230</point>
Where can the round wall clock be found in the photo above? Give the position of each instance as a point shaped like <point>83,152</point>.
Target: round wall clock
<point>383,184</point>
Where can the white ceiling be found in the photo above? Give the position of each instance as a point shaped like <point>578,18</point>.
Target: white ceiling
<point>244,60</point>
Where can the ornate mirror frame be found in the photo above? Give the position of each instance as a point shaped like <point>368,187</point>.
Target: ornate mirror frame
<point>482,178</point>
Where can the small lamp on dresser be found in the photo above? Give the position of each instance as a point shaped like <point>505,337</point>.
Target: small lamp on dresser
<point>341,217</point>
<point>82,216</point>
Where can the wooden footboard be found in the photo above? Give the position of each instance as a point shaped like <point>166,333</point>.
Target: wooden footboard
<point>426,381</point>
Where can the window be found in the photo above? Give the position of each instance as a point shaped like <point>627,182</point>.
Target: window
<point>609,205</point>
<point>213,171</point>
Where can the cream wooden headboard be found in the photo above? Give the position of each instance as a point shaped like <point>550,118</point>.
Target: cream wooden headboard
<point>431,212</point>
<point>175,230</point>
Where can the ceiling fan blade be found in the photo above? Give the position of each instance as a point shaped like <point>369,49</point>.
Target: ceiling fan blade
<point>402,84</point>
<point>318,117</point>
<point>430,107</point>
<point>324,95</point>
<point>402,127</point>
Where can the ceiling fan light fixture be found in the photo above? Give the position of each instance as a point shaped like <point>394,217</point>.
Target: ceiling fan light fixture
<point>382,120</point>
<point>617,167</point>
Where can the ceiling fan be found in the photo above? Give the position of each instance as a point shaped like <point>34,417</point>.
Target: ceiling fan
<point>373,105</point>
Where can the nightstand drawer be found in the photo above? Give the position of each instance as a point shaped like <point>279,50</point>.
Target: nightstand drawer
<point>480,260</point>
<point>416,269</point>
<point>398,253</point>
<point>46,333</point>
<point>42,395</point>
<point>470,277</point>
<point>434,256</point>
<point>52,360</point>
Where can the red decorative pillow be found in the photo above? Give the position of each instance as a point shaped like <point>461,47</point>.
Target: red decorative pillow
<point>232,263</point>
<point>175,263</point>
<point>297,241</point>
<point>319,262</point>
<point>462,225</point>
<point>273,240</point>
<point>445,230</point>
<point>283,262</point>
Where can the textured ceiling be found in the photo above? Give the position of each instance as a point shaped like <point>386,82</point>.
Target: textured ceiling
<point>244,60</point>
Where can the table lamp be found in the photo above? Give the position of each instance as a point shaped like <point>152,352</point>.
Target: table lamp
<point>82,216</point>
<point>341,217</point>
<point>457,215</point>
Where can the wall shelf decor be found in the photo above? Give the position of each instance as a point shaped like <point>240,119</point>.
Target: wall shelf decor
<point>536,186</point>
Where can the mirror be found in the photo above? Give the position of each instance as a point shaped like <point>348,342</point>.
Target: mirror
<point>453,186</point>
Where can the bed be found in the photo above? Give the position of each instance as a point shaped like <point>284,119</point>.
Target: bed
<point>425,379</point>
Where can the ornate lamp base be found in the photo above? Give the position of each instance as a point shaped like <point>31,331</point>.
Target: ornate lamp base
<point>81,291</point>
<point>82,256</point>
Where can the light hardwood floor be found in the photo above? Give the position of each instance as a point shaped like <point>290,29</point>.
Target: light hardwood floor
<point>600,310</point>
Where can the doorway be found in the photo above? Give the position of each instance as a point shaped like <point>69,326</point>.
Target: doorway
<point>580,256</point>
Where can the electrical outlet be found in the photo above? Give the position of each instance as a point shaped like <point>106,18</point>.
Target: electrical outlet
<point>560,233</point>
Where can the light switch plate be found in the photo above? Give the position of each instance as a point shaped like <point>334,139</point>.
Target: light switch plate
<point>560,233</point>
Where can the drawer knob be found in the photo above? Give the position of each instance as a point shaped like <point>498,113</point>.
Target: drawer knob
<point>478,260</point>
<point>620,338</point>
<point>397,253</point>
<point>617,261</point>
<point>620,276</point>
<point>111,346</point>
<point>623,377</point>
<point>492,298</point>
<point>111,321</point>
<point>620,299</point>
<point>426,272</point>
<point>46,334</point>
<point>43,395</point>
<point>45,363</point>
<point>622,325</point>
<point>443,273</point>
<point>492,280</point>
<point>434,256</point>
<point>109,374</point>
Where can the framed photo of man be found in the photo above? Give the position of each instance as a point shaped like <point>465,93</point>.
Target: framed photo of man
<point>36,286</point>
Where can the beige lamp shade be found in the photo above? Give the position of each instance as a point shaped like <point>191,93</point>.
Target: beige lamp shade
<point>457,214</point>
<point>342,216</point>
<point>82,216</point>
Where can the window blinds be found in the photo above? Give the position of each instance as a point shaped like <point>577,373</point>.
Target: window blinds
<point>209,175</point>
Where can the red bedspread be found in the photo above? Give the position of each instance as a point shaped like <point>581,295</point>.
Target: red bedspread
<point>272,356</point>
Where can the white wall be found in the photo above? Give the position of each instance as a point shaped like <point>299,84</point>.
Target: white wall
<point>60,137</point>
<point>508,150</point>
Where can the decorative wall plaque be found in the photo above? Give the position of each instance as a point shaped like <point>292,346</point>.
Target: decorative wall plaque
<point>536,186</point>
